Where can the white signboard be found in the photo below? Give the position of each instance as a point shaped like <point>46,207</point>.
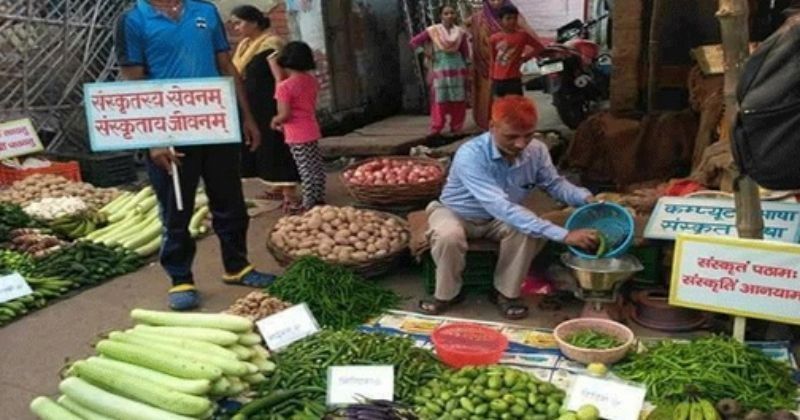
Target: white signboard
<point>288,326</point>
<point>741,277</point>
<point>18,138</point>
<point>161,113</point>
<point>351,384</point>
<point>616,400</point>
<point>709,217</point>
<point>13,286</point>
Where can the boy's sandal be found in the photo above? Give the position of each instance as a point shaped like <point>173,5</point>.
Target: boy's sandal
<point>436,306</point>
<point>183,297</point>
<point>512,309</point>
<point>250,277</point>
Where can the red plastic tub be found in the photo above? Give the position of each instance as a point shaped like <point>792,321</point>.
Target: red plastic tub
<point>464,344</point>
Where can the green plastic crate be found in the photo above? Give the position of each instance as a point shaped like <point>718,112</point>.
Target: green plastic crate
<point>478,272</point>
<point>650,257</point>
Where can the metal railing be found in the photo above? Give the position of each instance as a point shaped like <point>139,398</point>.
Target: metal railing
<point>48,50</point>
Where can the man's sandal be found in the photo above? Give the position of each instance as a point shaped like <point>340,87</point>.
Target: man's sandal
<point>512,309</point>
<point>250,277</point>
<point>183,297</point>
<point>437,307</point>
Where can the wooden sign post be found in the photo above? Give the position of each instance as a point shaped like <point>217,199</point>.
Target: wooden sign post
<point>746,278</point>
<point>162,114</point>
<point>18,138</point>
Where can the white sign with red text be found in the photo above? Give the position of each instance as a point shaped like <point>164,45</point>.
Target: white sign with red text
<point>161,113</point>
<point>18,138</point>
<point>740,277</point>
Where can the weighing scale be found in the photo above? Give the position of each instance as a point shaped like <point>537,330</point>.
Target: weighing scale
<point>599,283</point>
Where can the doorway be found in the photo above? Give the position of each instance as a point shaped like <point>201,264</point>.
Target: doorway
<point>341,57</point>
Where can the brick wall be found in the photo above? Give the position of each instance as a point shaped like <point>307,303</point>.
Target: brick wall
<point>280,21</point>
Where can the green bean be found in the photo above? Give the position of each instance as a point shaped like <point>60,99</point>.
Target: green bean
<point>413,366</point>
<point>590,339</point>
<point>339,298</point>
<point>719,368</point>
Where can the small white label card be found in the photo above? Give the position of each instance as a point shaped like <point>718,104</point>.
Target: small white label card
<point>351,384</point>
<point>286,327</point>
<point>13,286</point>
<point>616,400</point>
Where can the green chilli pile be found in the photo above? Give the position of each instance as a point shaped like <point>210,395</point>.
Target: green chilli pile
<point>303,368</point>
<point>713,368</point>
<point>339,298</point>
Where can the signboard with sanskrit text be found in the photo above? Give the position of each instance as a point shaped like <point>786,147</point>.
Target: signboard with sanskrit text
<point>18,138</point>
<point>741,277</point>
<point>709,217</point>
<point>161,113</point>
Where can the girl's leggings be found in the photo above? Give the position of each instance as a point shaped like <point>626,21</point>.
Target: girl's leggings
<point>312,174</point>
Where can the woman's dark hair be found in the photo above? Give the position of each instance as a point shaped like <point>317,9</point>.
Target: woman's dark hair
<point>441,8</point>
<point>251,14</point>
<point>508,10</point>
<point>297,56</point>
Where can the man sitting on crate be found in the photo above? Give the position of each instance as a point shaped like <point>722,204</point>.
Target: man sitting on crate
<point>489,178</point>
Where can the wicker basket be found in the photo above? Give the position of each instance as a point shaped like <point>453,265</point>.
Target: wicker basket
<point>606,356</point>
<point>383,195</point>
<point>367,269</point>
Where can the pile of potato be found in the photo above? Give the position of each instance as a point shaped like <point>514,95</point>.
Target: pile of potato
<point>340,235</point>
<point>38,186</point>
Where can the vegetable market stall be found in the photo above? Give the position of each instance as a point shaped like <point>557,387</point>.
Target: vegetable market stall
<point>63,236</point>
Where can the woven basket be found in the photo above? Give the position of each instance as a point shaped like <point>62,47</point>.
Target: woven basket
<point>605,356</point>
<point>382,195</point>
<point>367,269</point>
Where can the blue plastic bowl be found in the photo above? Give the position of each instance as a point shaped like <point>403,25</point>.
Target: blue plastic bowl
<point>613,220</point>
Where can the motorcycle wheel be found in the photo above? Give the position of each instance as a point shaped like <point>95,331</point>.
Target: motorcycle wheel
<point>572,107</point>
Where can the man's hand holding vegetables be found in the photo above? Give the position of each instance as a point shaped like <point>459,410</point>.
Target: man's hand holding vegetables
<point>489,178</point>
<point>150,45</point>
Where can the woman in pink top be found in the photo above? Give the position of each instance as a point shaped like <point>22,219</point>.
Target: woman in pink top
<point>297,105</point>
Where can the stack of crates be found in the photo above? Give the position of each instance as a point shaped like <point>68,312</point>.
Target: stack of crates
<point>478,273</point>
<point>104,169</point>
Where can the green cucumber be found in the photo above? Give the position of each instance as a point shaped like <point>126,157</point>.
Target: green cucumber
<point>211,335</point>
<point>228,366</point>
<point>227,322</point>
<point>249,339</point>
<point>80,410</point>
<point>187,343</point>
<point>140,389</point>
<point>165,363</point>
<point>187,386</point>
<point>121,408</point>
<point>150,248</point>
<point>47,409</point>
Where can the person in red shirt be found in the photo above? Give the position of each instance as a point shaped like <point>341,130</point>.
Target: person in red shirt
<point>510,49</point>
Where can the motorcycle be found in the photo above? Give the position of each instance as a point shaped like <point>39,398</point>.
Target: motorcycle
<point>575,72</point>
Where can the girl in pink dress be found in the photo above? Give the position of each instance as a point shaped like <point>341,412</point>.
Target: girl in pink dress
<point>297,104</point>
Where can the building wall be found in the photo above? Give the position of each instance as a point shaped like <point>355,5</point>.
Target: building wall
<point>545,16</point>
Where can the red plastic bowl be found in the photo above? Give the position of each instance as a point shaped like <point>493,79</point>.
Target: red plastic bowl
<point>463,344</point>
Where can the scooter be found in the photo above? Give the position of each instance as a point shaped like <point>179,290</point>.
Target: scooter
<point>575,72</point>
